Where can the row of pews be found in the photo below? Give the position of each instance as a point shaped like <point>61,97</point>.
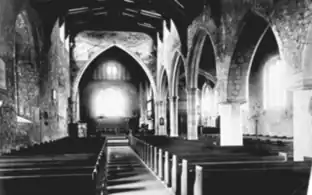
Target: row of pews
<point>65,166</point>
<point>188,168</point>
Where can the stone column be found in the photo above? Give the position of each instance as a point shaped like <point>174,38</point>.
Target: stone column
<point>78,107</point>
<point>192,118</point>
<point>141,119</point>
<point>302,120</point>
<point>162,128</point>
<point>231,131</point>
<point>157,115</point>
<point>174,100</point>
<point>141,104</point>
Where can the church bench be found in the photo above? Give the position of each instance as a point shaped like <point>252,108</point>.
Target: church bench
<point>44,171</point>
<point>177,145</point>
<point>48,162</point>
<point>167,169</point>
<point>65,145</point>
<point>62,184</point>
<point>245,178</point>
<point>241,158</point>
<point>86,171</point>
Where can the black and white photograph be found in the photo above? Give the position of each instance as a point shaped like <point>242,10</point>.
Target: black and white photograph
<point>156,97</point>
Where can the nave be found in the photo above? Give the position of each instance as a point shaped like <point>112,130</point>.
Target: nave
<point>207,93</point>
<point>137,164</point>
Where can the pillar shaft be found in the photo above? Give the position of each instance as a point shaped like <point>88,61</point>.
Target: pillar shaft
<point>161,128</point>
<point>302,106</point>
<point>174,116</point>
<point>156,122</point>
<point>192,111</point>
<point>231,131</point>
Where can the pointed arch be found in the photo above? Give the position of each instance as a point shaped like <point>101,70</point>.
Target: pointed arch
<point>24,39</point>
<point>178,61</point>
<point>164,82</point>
<point>253,29</point>
<point>159,77</point>
<point>75,88</point>
<point>207,75</point>
<point>201,36</point>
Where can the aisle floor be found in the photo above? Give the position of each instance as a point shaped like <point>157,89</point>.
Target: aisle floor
<point>128,175</point>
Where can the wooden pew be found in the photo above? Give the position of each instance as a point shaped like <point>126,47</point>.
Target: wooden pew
<point>169,170</point>
<point>65,145</point>
<point>285,178</point>
<point>76,173</point>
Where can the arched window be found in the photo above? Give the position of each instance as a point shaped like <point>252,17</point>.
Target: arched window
<point>109,71</point>
<point>274,87</point>
<point>112,71</point>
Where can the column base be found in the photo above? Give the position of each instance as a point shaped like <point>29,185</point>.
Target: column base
<point>174,135</point>
<point>231,132</point>
<point>192,118</point>
<point>162,130</point>
<point>302,104</point>
<point>189,137</point>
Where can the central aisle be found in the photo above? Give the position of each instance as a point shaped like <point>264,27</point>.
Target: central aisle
<point>128,175</point>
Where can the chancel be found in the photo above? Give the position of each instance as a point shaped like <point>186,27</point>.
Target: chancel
<point>155,97</point>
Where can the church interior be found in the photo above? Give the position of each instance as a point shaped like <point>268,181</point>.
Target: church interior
<point>156,96</point>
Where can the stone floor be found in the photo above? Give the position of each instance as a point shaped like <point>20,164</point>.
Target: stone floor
<point>128,175</point>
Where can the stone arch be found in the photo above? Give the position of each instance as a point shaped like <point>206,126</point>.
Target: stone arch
<point>164,79</point>
<point>242,58</point>
<point>207,75</point>
<point>80,74</point>
<point>33,23</point>
<point>195,54</point>
<point>159,77</point>
<point>178,61</point>
<point>23,36</point>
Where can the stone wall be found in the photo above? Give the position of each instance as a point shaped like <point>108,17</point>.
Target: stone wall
<point>27,77</point>
<point>168,53</point>
<point>28,96</point>
<point>89,44</point>
<point>54,100</point>
<point>12,132</point>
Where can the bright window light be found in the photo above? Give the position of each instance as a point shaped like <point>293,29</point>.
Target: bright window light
<point>110,103</point>
<point>109,71</point>
<point>112,71</point>
<point>274,84</point>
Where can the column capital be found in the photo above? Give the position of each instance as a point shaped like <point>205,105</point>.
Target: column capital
<point>159,102</point>
<point>232,102</point>
<point>192,89</point>
<point>173,98</point>
<point>302,84</point>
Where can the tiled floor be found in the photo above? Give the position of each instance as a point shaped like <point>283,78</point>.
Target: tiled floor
<point>127,174</point>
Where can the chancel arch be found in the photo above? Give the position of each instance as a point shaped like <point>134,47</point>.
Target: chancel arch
<point>75,88</point>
